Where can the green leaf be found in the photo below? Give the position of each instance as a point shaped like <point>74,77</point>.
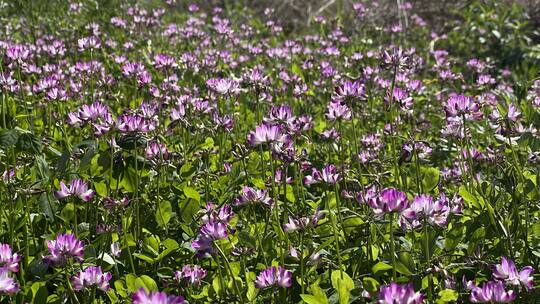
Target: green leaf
<point>170,246</point>
<point>39,293</point>
<point>163,213</point>
<point>447,296</point>
<point>252,292</point>
<point>297,70</point>
<point>370,284</point>
<point>401,268</point>
<point>379,267</point>
<point>68,213</point>
<point>318,292</point>
<point>144,257</point>
<point>47,205</point>
<point>430,178</point>
<point>343,283</point>
<point>146,282</point>
<point>8,138</point>
<point>120,288</point>
<point>130,282</point>
<point>29,143</point>
<point>192,193</point>
<point>311,299</point>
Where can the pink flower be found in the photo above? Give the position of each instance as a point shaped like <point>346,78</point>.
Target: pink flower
<point>8,259</point>
<point>77,187</point>
<point>65,246</point>
<point>143,297</point>
<point>7,284</point>
<point>506,271</point>
<point>91,276</point>
<point>273,276</point>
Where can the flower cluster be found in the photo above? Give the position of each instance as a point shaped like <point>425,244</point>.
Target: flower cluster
<point>214,227</point>
<point>274,276</point>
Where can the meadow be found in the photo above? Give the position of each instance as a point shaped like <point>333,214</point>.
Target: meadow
<point>169,152</point>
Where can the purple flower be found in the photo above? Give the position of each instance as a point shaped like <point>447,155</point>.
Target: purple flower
<point>223,86</point>
<point>513,113</point>
<point>266,133</point>
<point>8,259</point>
<point>115,249</point>
<point>281,114</point>
<point>7,284</point>
<point>273,276</point>
<point>491,291</point>
<point>77,187</point>
<point>401,97</point>
<point>214,230</point>
<point>399,294</point>
<point>337,111</point>
<point>302,223</point>
<point>157,151</point>
<point>91,276</point>
<point>328,175</point>
<point>192,274</point>
<point>223,215</point>
<point>134,124</point>
<point>506,271</point>
<point>64,247</point>
<point>389,200</point>
<point>424,207</point>
<point>461,105</point>
<point>350,89</point>
<point>143,297</point>
<point>254,196</point>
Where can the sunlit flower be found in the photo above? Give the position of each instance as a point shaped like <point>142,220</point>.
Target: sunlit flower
<point>90,277</point>
<point>192,274</point>
<point>141,296</point>
<point>8,259</point>
<point>491,291</point>
<point>274,276</point>
<point>399,294</point>
<point>8,285</point>
<point>64,247</point>
<point>506,271</point>
<point>77,187</point>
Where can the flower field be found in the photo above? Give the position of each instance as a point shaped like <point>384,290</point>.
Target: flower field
<point>169,152</point>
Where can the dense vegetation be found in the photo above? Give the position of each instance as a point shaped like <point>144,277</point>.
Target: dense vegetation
<point>162,152</point>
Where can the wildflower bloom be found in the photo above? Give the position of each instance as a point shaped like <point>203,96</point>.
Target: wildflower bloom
<point>192,274</point>
<point>491,291</point>
<point>328,175</point>
<point>273,276</point>
<point>265,133</point>
<point>389,200</point>
<point>254,196</point>
<point>77,187</point>
<point>461,105</point>
<point>64,247</point>
<point>424,207</point>
<point>506,271</point>
<point>157,151</point>
<point>91,276</point>
<point>302,223</point>
<point>337,111</point>
<point>350,89</point>
<point>399,294</point>
<point>223,215</point>
<point>214,227</point>
<point>143,297</point>
<point>7,284</point>
<point>223,86</point>
<point>8,259</point>
<point>134,124</point>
